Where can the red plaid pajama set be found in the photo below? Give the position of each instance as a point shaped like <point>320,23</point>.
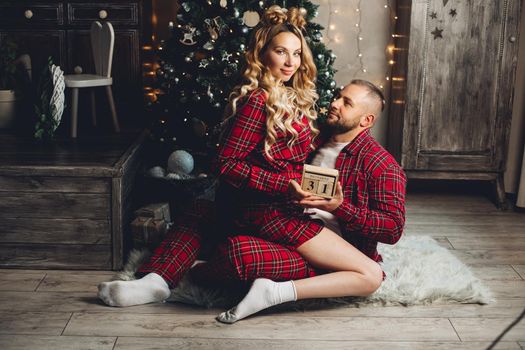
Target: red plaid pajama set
<point>253,193</point>
<point>373,210</point>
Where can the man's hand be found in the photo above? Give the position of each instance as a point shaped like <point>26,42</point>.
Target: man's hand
<point>324,203</point>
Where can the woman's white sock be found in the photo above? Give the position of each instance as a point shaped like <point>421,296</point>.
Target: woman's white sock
<point>263,294</point>
<point>149,289</point>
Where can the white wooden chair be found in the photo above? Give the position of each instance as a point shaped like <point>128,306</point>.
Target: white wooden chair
<point>102,42</point>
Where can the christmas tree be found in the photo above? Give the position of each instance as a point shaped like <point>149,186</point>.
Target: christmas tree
<point>201,62</point>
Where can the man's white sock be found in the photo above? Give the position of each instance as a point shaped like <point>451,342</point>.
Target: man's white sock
<point>263,294</point>
<point>149,289</point>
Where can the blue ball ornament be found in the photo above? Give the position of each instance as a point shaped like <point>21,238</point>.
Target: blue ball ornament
<point>180,162</point>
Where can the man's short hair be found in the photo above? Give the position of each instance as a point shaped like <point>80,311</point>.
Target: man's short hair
<point>372,90</point>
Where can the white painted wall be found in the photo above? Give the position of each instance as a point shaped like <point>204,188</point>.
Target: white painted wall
<point>341,35</point>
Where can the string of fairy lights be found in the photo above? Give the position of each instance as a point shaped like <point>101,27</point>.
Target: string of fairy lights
<point>334,36</point>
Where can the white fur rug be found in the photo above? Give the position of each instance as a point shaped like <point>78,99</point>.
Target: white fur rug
<point>419,271</point>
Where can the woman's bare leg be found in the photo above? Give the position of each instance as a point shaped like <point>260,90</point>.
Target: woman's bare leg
<point>356,275</point>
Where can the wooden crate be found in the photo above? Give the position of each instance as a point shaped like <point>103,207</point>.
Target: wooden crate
<point>66,204</point>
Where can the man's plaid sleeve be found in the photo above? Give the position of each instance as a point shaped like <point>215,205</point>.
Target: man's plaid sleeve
<point>383,218</point>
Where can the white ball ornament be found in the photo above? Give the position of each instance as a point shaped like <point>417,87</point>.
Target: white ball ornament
<point>180,162</point>
<point>157,171</point>
<point>251,18</point>
<point>173,176</point>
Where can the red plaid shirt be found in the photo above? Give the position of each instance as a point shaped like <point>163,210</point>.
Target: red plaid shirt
<point>373,209</point>
<point>242,162</point>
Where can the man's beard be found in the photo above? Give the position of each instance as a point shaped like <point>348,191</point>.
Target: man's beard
<point>340,127</point>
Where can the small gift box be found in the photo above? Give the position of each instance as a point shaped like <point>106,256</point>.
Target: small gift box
<point>158,211</point>
<point>148,230</point>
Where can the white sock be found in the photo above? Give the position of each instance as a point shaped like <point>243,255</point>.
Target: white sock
<point>149,289</point>
<point>263,294</point>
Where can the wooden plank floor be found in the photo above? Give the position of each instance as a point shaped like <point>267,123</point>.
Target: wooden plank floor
<point>59,309</point>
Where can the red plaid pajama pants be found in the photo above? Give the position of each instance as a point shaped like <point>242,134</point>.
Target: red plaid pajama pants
<point>182,245</point>
<point>238,258</point>
<point>241,258</point>
<point>245,258</point>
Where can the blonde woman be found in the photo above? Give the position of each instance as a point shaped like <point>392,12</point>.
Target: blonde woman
<point>260,164</point>
<point>269,133</point>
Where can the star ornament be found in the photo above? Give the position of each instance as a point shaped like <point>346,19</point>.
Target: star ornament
<point>323,110</point>
<point>226,56</point>
<point>453,12</point>
<point>437,33</point>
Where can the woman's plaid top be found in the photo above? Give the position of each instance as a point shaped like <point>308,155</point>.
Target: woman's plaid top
<point>242,161</point>
<point>252,194</point>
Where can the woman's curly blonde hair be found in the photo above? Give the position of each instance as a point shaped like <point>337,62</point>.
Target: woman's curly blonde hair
<point>285,104</point>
